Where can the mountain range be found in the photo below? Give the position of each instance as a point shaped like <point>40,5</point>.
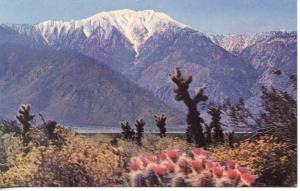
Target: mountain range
<point>115,66</point>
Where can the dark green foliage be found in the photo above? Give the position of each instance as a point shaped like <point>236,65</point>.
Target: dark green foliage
<point>279,116</point>
<point>127,131</point>
<point>139,125</point>
<point>161,124</point>
<point>215,124</point>
<point>193,118</point>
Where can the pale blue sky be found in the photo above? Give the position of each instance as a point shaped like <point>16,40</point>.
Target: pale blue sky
<point>210,16</point>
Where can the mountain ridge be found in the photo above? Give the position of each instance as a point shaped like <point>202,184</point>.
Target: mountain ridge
<point>228,70</point>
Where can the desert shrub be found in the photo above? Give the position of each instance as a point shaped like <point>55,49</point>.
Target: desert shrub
<point>79,162</point>
<point>93,164</point>
<point>10,147</point>
<point>24,169</point>
<point>9,127</point>
<point>174,168</point>
<point>273,161</point>
<point>172,143</point>
<point>21,163</point>
<point>277,115</point>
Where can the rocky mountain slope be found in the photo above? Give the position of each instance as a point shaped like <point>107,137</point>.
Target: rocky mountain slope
<point>72,88</point>
<point>266,52</point>
<point>146,46</point>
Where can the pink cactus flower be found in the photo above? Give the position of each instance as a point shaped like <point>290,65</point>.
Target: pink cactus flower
<point>230,164</point>
<point>172,154</point>
<point>170,167</point>
<point>248,178</point>
<point>135,165</point>
<point>159,170</point>
<point>162,156</point>
<point>244,170</point>
<point>144,161</point>
<point>218,171</point>
<point>197,165</point>
<point>150,158</point>
<point>209,164</point>
<point>199,152</point>
<point>232,174</point>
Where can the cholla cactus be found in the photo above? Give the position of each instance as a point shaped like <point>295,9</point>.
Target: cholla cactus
<point>50,127</point>
<point>193,118</point>
<point>24,117</point>
<point>230,138</point>
<point>139,124</point>
<point>173,168</point>
<point>127,131</point>
<point>215,125</point>
<point>161,124</point>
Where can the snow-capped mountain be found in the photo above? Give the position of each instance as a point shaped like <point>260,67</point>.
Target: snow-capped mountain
<point>233,43</point>
<point>136,26</point>
<point>266,52</point>
<point>273,51</point>
<point>236,43</point>
<point>146,46</point>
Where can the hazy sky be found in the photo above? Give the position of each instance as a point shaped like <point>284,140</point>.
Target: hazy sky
<point>210,16</point>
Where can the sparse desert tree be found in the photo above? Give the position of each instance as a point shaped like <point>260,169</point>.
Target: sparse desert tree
<point>194,120</point>
<point>160,121</point>
<point>139,125</point>
<point>277,115</point>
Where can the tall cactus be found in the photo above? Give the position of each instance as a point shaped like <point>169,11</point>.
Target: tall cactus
<point>161,124</point>
<point>193,118</point>
<point>215,125</point>
<point>230,139</point>
<point>127,131</point>
<point>50,126</point>
<point>139,124</point>
<point>25,117</point>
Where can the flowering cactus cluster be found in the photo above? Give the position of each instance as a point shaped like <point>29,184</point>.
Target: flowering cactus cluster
<point>173,168</point>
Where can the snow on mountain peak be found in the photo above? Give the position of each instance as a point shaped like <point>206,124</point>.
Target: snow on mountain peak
<point>136,26</point>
